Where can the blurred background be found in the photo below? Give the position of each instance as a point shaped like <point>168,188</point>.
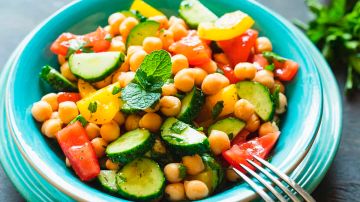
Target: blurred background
<point>342,182</point>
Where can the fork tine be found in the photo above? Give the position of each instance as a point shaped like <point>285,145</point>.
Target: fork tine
<point>266,184</point>
<point>252,184</point>
<point>289,181</point>
<point>276,181</point>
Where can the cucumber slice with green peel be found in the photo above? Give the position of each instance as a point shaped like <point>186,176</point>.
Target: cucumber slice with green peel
<point>231,126</point>
<point>191,105</point>
<point>258,95</point>
<point>130,145</point>
<point>194,13</point>
<point>141,180</point>
<point>93,67</point>
<point>107,179</point>
<point>183,140</point>
<point>56,80</point>
<point>141,31</point>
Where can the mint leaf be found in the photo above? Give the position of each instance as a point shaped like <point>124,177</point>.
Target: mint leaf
<point>270,67</point>
<point>218,107</point>
<point>178,127</point>
<point>154,71</point>
<point>136,98</point>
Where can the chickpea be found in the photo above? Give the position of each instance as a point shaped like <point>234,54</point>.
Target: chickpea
<point>119,118</point>
<point>213,83</point>
<point>167,38</point>
<point>151,121</point>
<point>170,105</point>
<point>245,71</point>
<point>153,109</point>
<point>265,77</point>
<point>267,128</point>
<point>61,59</point>
<point>125,78</point>
<point>51,98</point>
<point>67,111</point>
<point>41,111</point>
<point>175,20</point>
<point>99,146</point>
<point>92,130</point>
<point>262,44</point>
<point>114,21</point>
<point>101,84</point>
<point>282,104</point>
<point>210,67</point>
<point>243,109</point>
<point>168,89</point>
<point>67,162</point>
<point>51,127</point>
<point>179,31</point>
<point>111,165</point>
<point>136,60</point>
<point>194,164</point>
<point>175,192</point>
<point>174,172</point>
<point>200,75</point>
<point>159,147</point>
<point>55,115</point>
<point>184,80</point>
<point>151,44</point>
<point>231,175</point>
<point>221,58</point>
<point>196,189</point>
<point>125,67</point>
<point>110,131</point>
<point>162,20</point>
<point>66,72</point>
<point>131,50</point>
<point>281,85</point>
<point>127,25</point>
<point>219,141</point>
<point>132,122</point>
<point>253,123</point>
<point>117,44</point>
<point>179,62</point>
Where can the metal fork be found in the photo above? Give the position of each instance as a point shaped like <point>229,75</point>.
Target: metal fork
<point>278,195</point>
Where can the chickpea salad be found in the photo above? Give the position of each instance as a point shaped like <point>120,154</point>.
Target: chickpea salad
<point>156,108</point>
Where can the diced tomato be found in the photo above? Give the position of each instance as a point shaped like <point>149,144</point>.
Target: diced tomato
<point>196,50</point>
<point>287,70</point>
<point>77,147</point>
<point>229,73</point>
<point>260,61</point>
<point>65,96</point>
<point>240,138</point>
<point>261,147</point>
<point>60,46</point>
<point>238,49</point>
<point>97,40</point>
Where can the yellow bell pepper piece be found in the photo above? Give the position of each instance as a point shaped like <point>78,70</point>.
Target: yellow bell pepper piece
<point>228,95</point>
<point>145,9</point>
<point>226,27</point>
<point>85,88</point>
<point>107,105</point>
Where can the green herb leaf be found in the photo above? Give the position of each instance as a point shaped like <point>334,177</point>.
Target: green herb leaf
<point>80,118</point>
<point>139,16</point>
<point>271,56</point>
<point>270,67</point>
<point>218,107</point>
<point>200,129</point>
<point>116,90</point>
<point>178,127</point>
<point>137,98</point>
<point>275,96</point>
<point>92,107</point>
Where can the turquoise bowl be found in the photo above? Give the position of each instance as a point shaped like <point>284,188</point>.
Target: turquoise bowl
<point>299,125</point>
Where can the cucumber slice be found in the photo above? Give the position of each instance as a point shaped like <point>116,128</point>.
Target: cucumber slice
<point>107,179</point>
<point>56,80</point>
<point>141,180</point>
<point>183,140</point>
<point>191,105</point>
<point>194,13</point>
<point>93,67</point>
<point>141,31</point>
<point>231,126</point>
<point>130,145</point>
<point>259,95</point>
